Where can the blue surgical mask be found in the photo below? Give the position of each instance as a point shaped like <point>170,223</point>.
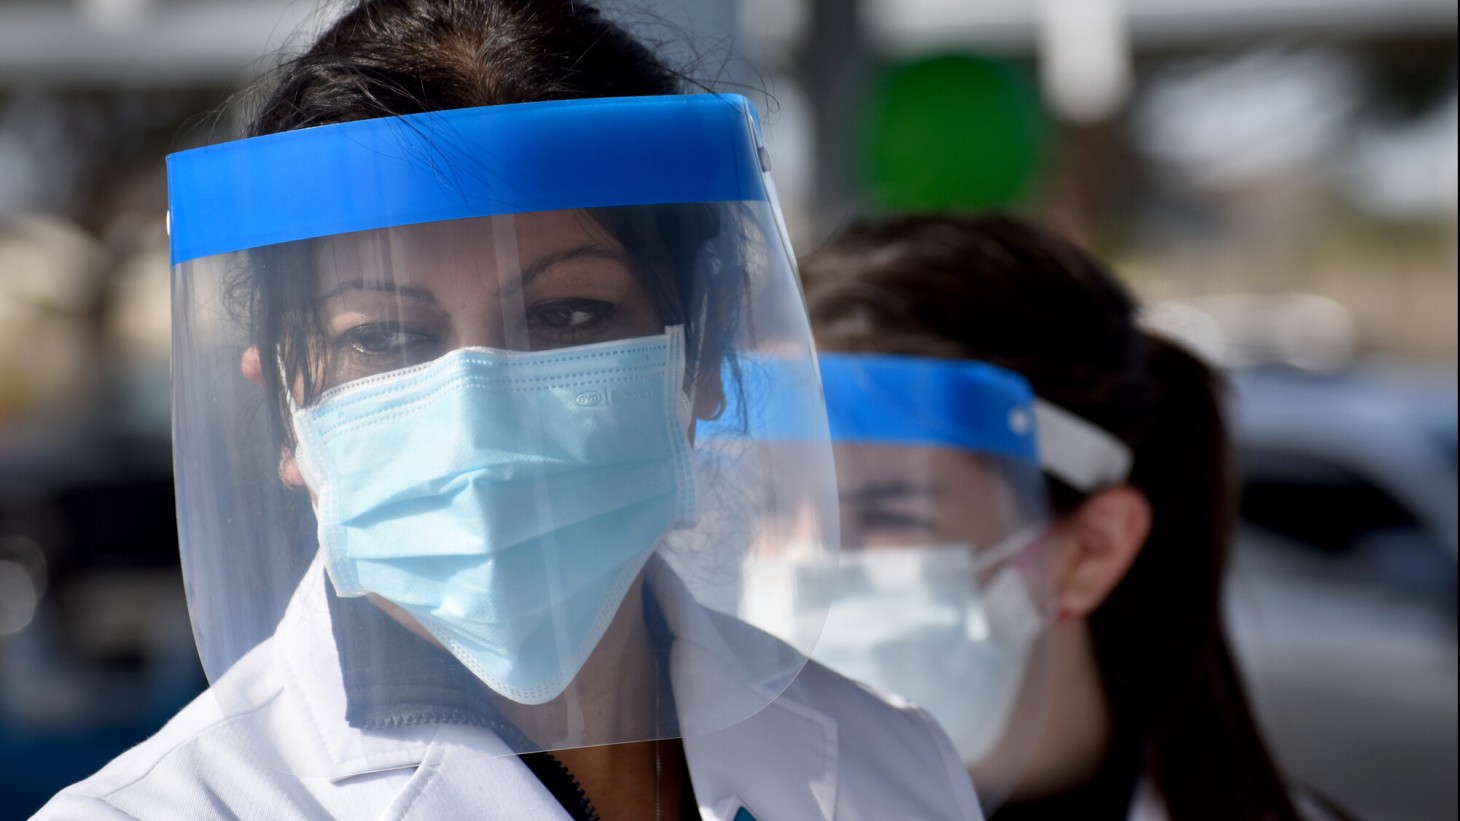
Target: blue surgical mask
<point>506,500</point>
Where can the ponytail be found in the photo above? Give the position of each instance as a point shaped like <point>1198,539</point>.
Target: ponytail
<point>1158,637</point>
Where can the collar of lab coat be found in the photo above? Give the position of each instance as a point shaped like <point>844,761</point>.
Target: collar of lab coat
<point>778,755</point>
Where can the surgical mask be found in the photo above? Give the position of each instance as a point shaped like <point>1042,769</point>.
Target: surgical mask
<point>915,621</point>
<point>505,500</point>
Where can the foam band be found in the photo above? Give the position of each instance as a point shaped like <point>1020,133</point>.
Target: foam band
<point>473,162</point>
<point>905,400</point>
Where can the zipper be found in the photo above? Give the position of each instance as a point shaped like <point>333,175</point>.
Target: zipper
<point>556,777</point>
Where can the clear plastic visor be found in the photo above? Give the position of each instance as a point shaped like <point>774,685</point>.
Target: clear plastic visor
<point>491,472</point>
<point>944,595</point>
<point>945,585</point>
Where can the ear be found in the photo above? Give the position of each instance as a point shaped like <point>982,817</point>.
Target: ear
<point>709,393</point>
<point>1097,545</point>
<point>252,370</point>
<point>288,469</point>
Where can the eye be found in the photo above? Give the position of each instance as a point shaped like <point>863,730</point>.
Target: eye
<point>563,314</point>
<point>383,339</point>
<point>877,519</point>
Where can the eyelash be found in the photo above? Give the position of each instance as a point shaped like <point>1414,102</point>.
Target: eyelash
<point>881,519</point>
<point>355,338</point>
<point>600,313</point>
<point>364,341</point>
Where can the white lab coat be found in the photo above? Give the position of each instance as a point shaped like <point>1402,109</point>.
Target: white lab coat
<point>825,749</point>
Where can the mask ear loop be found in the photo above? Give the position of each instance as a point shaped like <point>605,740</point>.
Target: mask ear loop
<point>1010,546</point>
<point>284,380</point>
<point>1007,606</point>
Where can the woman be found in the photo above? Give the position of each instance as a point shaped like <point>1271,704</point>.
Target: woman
<point>945,580</point>
<point>1146,716</point>
<point>470,533</point>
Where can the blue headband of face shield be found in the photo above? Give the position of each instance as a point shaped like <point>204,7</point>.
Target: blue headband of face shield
<point>473,162</point>
<point>903,400</point>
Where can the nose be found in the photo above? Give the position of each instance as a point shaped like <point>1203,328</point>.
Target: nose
<point>489,315</point>
<point>484,332</point>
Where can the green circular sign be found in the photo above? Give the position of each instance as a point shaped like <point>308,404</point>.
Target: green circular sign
<point>954,132</point>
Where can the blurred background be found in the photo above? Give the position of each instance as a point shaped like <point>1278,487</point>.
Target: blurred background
<point>1277,180</point>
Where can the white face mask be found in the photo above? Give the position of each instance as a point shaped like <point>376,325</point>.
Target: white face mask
<point>915,621</point>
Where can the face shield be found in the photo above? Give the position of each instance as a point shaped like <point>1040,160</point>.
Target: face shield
<point>462,416</point>
<point>945,584</point>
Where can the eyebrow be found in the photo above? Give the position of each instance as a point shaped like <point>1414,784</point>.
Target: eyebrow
<point>590,251</point>
<point>419,294</point>
<point>891,490</point>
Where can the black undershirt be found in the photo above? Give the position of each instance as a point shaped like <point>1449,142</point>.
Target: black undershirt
<point>559,781</point>
<point>393,678</point>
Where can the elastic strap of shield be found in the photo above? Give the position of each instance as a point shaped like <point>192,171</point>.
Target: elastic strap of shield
<point>1079,453</point>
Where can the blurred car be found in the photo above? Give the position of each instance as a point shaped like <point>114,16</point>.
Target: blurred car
<point>96,651</point>
<point>1342,597</point>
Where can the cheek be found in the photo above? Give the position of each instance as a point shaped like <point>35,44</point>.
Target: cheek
<point>640,316</point>
<point>970,522</point>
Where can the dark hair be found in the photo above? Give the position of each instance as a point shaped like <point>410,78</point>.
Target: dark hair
<point>399,57</point>
<point>1001,290</point>
<point>386,58</point>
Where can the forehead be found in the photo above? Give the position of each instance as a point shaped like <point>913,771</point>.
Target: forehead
<point>498,247</point>
<point>861,466</point>
<point>944,493</point>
